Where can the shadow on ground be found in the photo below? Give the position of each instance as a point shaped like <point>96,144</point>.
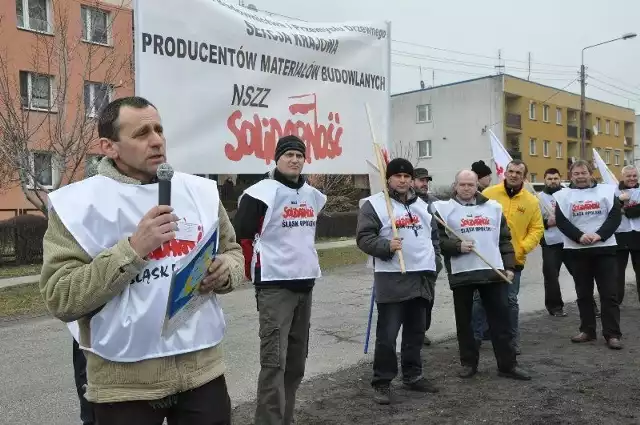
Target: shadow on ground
<point>572,384</point>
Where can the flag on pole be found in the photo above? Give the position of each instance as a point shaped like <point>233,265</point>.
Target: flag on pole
<point>500,155</point>
<point>607,176</point>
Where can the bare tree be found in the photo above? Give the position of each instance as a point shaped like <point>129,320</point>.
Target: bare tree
<point>48,112</point>
<point>406,151</point>
<point>339,188</point>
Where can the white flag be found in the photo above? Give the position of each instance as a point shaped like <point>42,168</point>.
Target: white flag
<point>607,176</point>
<point>500,155</point>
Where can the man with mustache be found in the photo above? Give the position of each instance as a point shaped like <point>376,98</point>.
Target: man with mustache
<point>628,234</point>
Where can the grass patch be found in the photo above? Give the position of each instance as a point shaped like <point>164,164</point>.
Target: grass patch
<point>338,257</point>
<point>19,271</point>
<point>22,300</point>
<point>344,238</point>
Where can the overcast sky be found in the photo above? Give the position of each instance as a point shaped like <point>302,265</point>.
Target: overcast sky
<point>464,37</point>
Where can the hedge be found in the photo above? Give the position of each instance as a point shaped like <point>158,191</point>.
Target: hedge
<point>21,239</point>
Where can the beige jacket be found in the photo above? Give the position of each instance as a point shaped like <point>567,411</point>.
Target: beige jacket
<point>73,286</point>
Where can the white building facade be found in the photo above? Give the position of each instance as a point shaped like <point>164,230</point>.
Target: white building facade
<point>445,128</point>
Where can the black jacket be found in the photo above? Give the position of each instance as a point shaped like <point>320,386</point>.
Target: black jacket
<point>605,231</point>
<point>450,247</point>
<point>629,240</point>
<point>248,223</point>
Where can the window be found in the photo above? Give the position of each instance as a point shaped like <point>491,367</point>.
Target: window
<point>545,113</point>
<point>95,25</point>
<point>532,110</point>
<point>558,116</point>
<point>616,157</point>
<point>534,178</point>
<point>607,156</point>
<point>598,125</point>
<point>616,129</point>
<point>607,124</point>
<point>424,148</point>
<point>545,148</point>
<point>558,149</point>
<point>424,113</point>
<point>532,146</point>
<point>34,15</point>
<point>35,90</point>
<point>41,169</point>
<point>96,97</point>
<point>91,164</point>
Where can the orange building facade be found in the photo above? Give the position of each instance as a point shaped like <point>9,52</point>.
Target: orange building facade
<point>62,60</point>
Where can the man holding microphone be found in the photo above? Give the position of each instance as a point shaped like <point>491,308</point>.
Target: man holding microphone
<point>108,255</point>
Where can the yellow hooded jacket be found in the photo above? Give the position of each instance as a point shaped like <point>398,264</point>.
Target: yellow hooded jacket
<point>523,217</point>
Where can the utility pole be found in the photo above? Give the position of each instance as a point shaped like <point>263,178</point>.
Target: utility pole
<point>529,75</point>
<point>499,67</point>
<point>583,113</point>
<point>433,78</point>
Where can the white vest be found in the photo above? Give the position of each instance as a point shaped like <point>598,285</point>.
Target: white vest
<point>586,209</point>
<point>478,223</point>
<point>629,224</point>
<point>99,212</point>
<point>417,249</point>
<point>286,243</point>
<point>552,235</point>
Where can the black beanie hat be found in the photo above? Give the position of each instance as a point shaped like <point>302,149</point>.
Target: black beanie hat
<point>289,143</point>
<point>481,169</point>
<point>399,165</point>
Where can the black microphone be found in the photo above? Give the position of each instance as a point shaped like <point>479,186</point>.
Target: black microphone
<point>164,173</point>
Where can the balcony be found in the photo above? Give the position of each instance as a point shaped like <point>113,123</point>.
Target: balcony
<point>514,121</point>
<point>628,142</point>
<point>515,154</point>
<point>572,132</point>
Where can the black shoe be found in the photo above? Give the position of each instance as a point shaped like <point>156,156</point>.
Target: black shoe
<point>382,394</point>
<point>515,373</point>
<point>421,386</point>
<point>558,313</point>
<point>517,350</point>
<point>467,372</point>
<point>427,341</point>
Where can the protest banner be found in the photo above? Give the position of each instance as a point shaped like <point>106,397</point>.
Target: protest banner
<point>229,82</point>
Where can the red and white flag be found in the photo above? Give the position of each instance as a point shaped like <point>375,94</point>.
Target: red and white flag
<point>500,155</point>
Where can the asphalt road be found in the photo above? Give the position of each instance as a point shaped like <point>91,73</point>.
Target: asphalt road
<point>35,356</point>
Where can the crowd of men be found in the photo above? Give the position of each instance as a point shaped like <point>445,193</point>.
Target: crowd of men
<point>107,231</point>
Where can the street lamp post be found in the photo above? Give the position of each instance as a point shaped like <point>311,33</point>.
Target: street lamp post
<point>583,84</point>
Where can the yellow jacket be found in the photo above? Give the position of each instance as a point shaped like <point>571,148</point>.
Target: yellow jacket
<point>523,217</point>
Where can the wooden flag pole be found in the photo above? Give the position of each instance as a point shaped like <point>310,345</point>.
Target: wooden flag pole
<point>454,233</point>
<point>382,170</point>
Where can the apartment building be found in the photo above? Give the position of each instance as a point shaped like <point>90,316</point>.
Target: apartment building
<point>636,141</point>
<point>62,61</point>
<point>445,128</point>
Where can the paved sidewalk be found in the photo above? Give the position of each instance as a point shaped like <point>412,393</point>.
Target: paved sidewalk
<point>15,281</point>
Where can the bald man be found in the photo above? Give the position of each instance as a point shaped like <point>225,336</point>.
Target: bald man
<point>483,227</point>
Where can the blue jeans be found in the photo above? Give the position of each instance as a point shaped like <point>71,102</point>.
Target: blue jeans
<point>479,317</point>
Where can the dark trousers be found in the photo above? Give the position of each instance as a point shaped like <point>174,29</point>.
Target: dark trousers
<point>80,376</point>
<point>429,306</point>
<point>623,259</point>
<point>591,264</point>
<point>496,306</point>
<point>206,405</point>
<point>411,315</point>
<point>553,256</point>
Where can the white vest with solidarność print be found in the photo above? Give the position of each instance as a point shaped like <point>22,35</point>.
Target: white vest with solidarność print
<point>99,212</point>
<point>587,209</point>
<point>286,243</point>
<point>414,228</point>
<point>629,224</point>
<point>552,235</point>
<point>477,223</point>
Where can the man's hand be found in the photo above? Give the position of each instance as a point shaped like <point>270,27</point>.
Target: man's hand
<point>624,196</point>
<point>551,221</point>
<point>466,246</point>
<point>217,276</point>
<point>509,274</point>
<point>594,237</point>
<point>585,239</point>
<point>395,244</point>
<point>156,227</point>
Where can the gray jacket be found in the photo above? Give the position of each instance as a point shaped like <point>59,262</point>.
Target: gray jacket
<point>451,248</point>
<point>395,287</point>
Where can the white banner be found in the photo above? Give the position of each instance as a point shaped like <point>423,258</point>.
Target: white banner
<point>607,176</point>
<point>229,82</point>
<point>501,157</point>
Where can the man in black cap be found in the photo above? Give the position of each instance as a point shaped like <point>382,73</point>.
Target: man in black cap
<point>401,298</point>
<point>484,174</point>
<point>421,186</point>
<point>276,227</point>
